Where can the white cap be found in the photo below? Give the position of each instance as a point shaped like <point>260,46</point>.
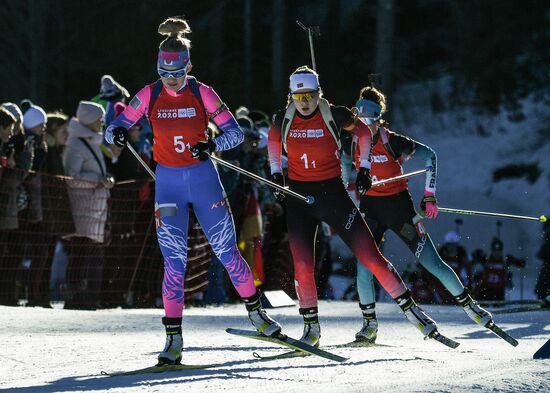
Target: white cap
<point>33,117</point>
<point>88,112</point>
<point>14,110</point>
<point>304,82</point>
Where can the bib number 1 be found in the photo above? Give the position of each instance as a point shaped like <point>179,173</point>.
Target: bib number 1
<point>306,162</point>
<point>180,144</point>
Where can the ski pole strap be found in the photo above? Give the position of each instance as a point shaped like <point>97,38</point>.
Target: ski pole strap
<point>308,199</point>
<point>542,218</point>
<point>396,178</point>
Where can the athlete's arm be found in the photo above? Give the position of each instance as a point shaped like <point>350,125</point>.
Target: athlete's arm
<point>401,145</point>
<point>232,134</point>
<point>346,120</point>
<point>138,106</point>
<point>274,145</point>
<point>425,152</point>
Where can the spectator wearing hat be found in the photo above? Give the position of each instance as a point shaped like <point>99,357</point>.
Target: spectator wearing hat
<point>33,242</point>
<point>88,194</point>
<point>110,93</point>
<point>57,218</point>
<point>34,123</point>
<point>23,151</point>
<point>15,198</point>
<point>496,275</point>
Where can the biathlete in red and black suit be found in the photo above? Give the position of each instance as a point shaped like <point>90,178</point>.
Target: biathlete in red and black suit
<point>390,206</point>
<point>309,130</point>
<point>178,108</point>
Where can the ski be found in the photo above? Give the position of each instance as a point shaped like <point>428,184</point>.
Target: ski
<point>360,344</point>
<point>501,333</point>
<point>285,355</point>
<point>296,353</point>
<point>290,342</point>
<point>159,369</point>
<point>443,339</point>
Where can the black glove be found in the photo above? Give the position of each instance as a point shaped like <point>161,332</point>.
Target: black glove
<point>280,180</point>
<point>363,181</point>
<point>202,150</point>
<point>120,136</point>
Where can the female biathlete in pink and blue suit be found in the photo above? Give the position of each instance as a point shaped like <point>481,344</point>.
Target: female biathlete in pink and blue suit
<point>179,108</point>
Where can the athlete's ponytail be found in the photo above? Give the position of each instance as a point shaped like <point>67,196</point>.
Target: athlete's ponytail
<point>175,30</point>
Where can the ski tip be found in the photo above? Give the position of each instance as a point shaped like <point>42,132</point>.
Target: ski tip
<point>513,342</point>
<point>443,339</point>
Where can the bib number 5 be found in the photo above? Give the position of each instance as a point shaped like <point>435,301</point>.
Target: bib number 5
<point>180,145</point>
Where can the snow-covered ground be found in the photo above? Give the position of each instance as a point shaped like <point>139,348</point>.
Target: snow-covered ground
<point>65,351</point>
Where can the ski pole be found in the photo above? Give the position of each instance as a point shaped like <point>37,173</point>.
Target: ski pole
<point>542,218</point>
<point>147,168</point>
<point>310,32</point>
<point>396,178</point>
<point>308,199</point>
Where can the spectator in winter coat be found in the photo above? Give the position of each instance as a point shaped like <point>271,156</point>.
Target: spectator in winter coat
<point>8,209</point>
<point>19,153</point>
<point>23,151</point>
<point>7,122</point>
<point>57,218</point>
<point>88,188</point>
<point>88,194</point>
<point>34,122</point>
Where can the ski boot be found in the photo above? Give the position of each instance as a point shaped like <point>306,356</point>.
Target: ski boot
<point>369,330</point>
<point>262,322</point>
<point>416,315</point>
<point>473,309</point>
<point>171,354</point>
<point>312,329</point>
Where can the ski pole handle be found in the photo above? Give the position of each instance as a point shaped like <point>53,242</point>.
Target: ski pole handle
<point>307,199</point>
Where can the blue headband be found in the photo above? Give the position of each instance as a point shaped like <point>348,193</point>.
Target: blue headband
<point>368,108</point>
<point>173,59</point>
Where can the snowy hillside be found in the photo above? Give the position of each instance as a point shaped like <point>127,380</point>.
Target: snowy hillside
<point>65,351</point>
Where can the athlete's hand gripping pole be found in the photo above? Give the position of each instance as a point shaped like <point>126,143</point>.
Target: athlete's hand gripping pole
<point>396,178</point>
<point>542,218</point>
<point>307,199</point>
<point>147,168</point>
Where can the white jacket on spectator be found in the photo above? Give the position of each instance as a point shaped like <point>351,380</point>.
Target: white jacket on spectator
<point>87,195</point>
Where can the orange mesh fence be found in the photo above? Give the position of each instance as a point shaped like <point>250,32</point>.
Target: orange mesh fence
<point>62,239</point>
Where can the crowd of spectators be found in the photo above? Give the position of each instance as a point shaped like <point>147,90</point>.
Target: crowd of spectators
<point>77,222</point>
<point>76,214</point>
